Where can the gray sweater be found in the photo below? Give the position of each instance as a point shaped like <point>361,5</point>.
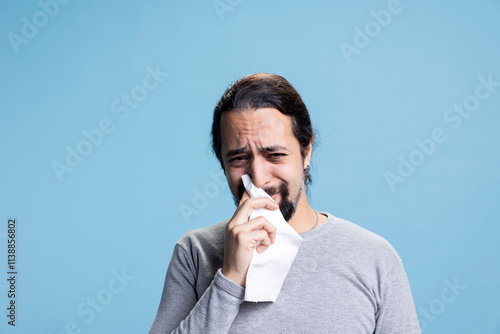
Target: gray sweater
<point>344,279</point>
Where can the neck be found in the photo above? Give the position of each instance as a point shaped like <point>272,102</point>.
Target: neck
<point>304,217</point>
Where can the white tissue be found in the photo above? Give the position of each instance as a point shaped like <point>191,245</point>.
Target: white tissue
<point>268,270</point>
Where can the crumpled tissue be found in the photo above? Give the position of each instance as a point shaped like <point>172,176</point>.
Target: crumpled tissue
<point>268,270</point>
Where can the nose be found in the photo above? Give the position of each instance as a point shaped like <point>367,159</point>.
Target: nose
<point>258,170</point>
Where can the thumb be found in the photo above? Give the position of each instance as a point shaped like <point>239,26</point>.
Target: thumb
<point>244,197</point>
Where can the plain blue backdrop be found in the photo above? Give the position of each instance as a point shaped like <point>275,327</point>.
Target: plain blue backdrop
<point>379,78</point>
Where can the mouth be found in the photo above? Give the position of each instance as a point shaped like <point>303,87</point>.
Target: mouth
<point>274,196</point>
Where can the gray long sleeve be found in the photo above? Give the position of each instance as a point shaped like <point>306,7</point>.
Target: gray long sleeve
<point>344,279</point>
<point>180,312</point>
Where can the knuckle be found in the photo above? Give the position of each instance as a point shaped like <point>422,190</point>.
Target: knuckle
<point>260,234</point>
<point>241,237</point>
<point>230,227</point>
<point>235,230</point>
<point>261,219</point>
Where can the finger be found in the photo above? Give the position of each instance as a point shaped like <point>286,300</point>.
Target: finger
<point>271,205</point>
<point>243,212</point>
<point>255,203</point>
<point>257,224</point>
<point>260,237</point>
<point>263,224</point>
<point>261,248</point>
<point>244,197</point>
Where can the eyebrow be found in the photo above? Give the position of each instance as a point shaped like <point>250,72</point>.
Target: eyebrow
<point>241,150</point>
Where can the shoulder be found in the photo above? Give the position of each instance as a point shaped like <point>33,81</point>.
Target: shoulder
<point>364,243</point>
<point>197,256</point>
<point>369,238</point>
<point>208,238</point>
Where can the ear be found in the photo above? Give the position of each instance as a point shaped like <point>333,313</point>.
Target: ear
<point>307,159</point>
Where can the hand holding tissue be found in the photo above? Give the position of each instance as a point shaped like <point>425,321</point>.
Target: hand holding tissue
<point>268,270</point>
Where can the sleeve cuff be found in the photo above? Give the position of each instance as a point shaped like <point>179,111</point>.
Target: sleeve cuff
<point>229,286</point>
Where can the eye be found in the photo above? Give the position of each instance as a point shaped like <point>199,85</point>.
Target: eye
<point>277,156</point>
<point>237,160</point>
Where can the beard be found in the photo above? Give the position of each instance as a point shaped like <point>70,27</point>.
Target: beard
<point>286,206</point>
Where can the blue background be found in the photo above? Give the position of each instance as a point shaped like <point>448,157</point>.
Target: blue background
<point>122,207</point>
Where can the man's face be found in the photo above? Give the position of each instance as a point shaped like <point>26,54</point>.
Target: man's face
<point>261,143</point>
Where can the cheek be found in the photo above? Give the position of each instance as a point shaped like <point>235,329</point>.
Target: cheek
<point>233,176</point>
<point>289,172</point>
<point>234,181</point>
<point>292,174</point>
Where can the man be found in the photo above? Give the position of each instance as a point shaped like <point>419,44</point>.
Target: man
<point>344,278</point>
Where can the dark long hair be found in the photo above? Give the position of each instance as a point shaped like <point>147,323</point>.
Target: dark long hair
<point>264,90</point>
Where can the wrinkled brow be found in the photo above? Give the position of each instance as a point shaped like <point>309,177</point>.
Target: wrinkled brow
<point>242,150</point>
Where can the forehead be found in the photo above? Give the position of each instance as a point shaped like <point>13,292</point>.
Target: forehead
<point>260,127</point>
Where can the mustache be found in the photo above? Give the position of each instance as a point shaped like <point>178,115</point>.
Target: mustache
<point>282,188</point>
